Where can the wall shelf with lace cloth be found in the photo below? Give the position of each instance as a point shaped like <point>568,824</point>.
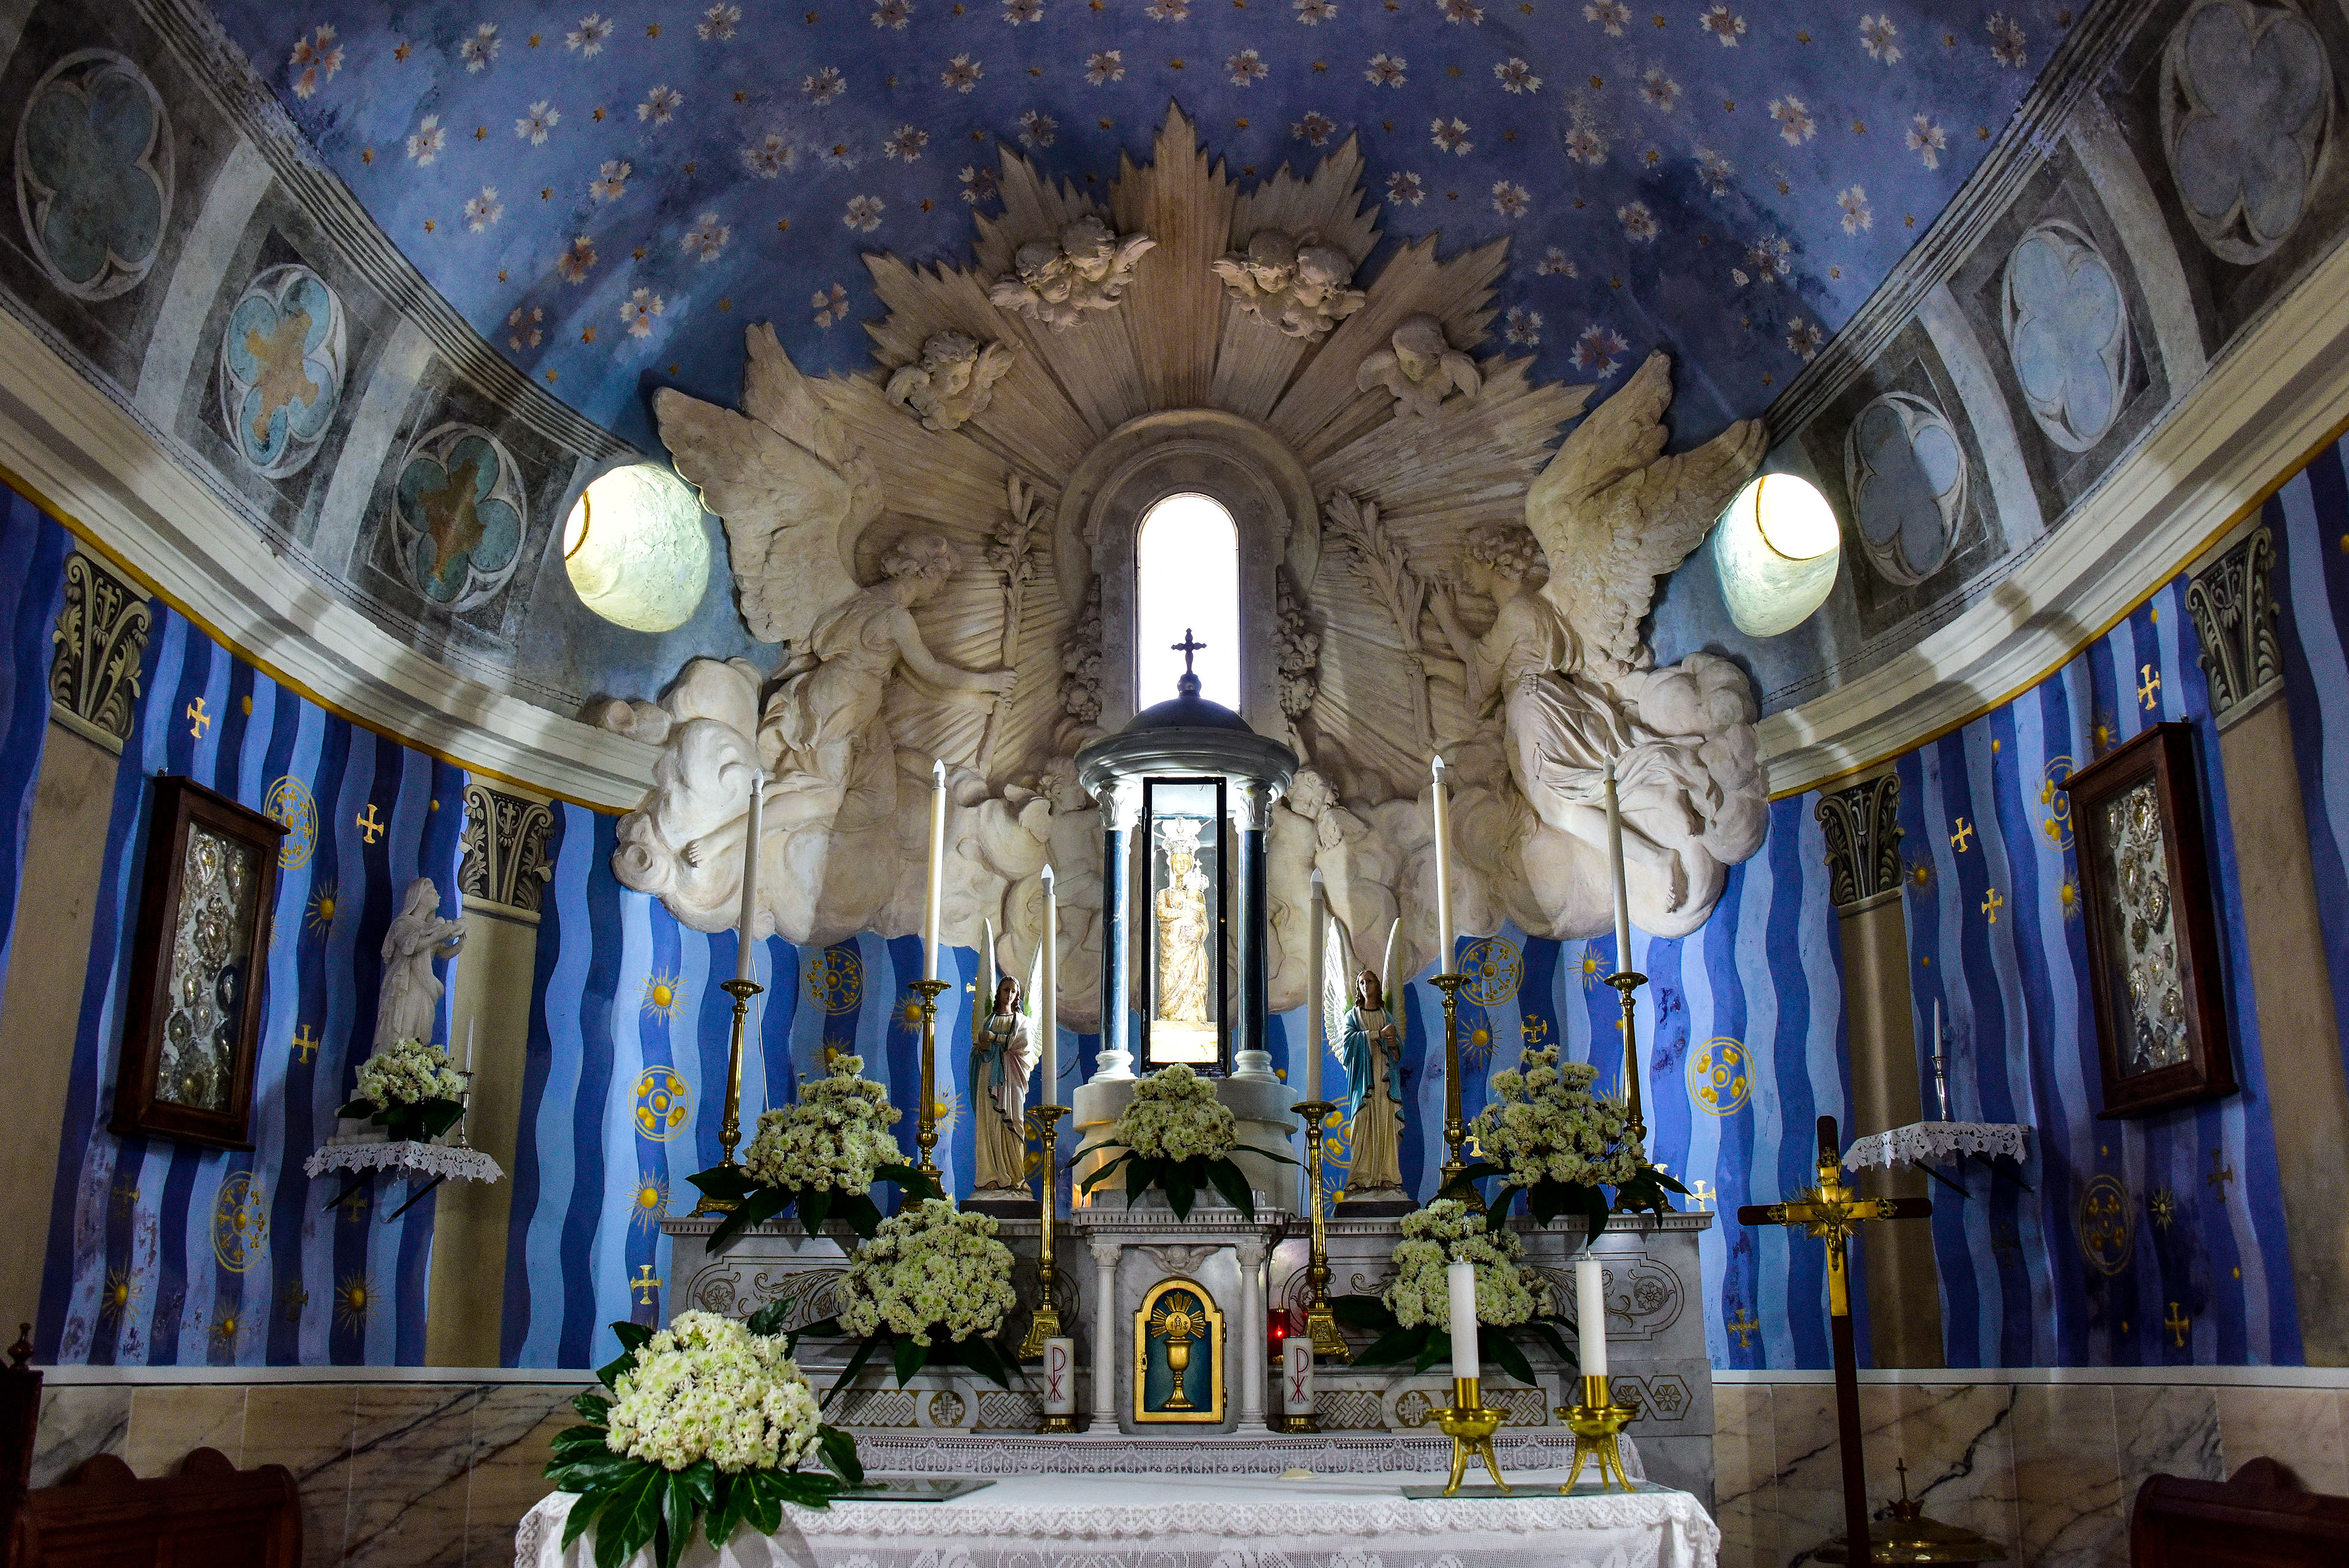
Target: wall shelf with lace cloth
<point>1926,1144</point>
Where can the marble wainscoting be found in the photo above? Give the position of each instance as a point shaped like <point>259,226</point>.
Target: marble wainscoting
<point>393,1474</point>
<point>2049,1468</point>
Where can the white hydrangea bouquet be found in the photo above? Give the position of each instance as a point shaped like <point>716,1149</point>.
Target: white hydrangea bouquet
<point>1547,1135</point>
<point>932,1287</point>
<point>821,1155</point>
<point>708,1423</point>
<point>1412,1318</point>
<point>409,1087</point>
<point>1178,1138</point>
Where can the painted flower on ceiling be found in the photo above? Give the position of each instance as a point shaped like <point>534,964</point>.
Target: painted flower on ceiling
<point>94,173</point>
<point>282,361</point>
<point>460,507</point>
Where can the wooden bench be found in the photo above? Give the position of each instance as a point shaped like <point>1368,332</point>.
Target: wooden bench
<point>210,1514</point>
<point>2262,1518</point>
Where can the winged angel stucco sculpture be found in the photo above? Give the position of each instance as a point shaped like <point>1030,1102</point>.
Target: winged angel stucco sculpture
<point>1463,587</point>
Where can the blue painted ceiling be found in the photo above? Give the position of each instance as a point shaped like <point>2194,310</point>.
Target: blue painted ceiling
<point>610,196</point>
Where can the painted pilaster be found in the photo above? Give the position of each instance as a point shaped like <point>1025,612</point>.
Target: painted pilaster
<point>1861,824</point>
<point>2307,1092</point>
<point>503,877</point>
<point>100,649</point>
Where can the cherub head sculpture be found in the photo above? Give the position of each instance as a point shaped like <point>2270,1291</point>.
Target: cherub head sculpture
<point>1292,283</point>
<point>1085,267</point>
<point>953,381</point>
<point>1419,367</point>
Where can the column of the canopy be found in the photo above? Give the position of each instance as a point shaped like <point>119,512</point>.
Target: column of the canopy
<point>1116,1057</point>
<point>1253,816</point>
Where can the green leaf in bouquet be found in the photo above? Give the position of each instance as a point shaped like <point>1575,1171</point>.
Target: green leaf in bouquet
<point>1437,1348</point>
<point>859,1213</point>
<point>583,1511</point>
<point>1363,1311</point>
<point>908,1355</point>
<point>685,1498</point>
<point>1098,1177</point>
<point>822,1328</point>
<point>1546,1331</point>
<point>802,1489</point>
<point>981,1356</point>
<point>632,1337</point>
<point>762,1205</point>
<point>725,1510</point>
<point>1665,1179</point>
<point>838,1451</point>
<point>1594,1209</point>
<point>627,1523</point>
<point>910,1182</point>
<point>1497,1213</point>
<point>1394,1347</point>
<point>763,1500</point>
<point>726,1182</point>
<point>590,1472</point>
<point>1232,1183</point>
<point>1507,1354</point>
<point>815,1208</point>
<point>591,1406</point>
<point>1181,1182</point>
<point>856,1360</point>
<point>769,1320</point>
<point>358,1110</point>
<point>436,1116</point>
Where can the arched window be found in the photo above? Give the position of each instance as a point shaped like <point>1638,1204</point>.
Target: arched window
<point>1186,576</point>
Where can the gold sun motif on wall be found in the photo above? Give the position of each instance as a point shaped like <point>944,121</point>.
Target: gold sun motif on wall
<point>651,1203</point>
<point>354,1300</point>
<point>121,1295</point>
<point>228,1328</point>
<point>319,913</point>
<point>1590,967</point>
<point>663,994</point>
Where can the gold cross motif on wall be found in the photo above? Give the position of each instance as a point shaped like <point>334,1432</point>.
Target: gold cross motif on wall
<point>1703,1193</point>
<point>647,1284</point>
<point>1743,1326</point>
<point>2219,1174</point>
<point>306,1044</point>
<point>1991,905</point>
<point>2148,687</point>
<point>198,719</point>
<point>1965,830</point>
<point>353,1204</point>
<point>368,823</point>
<point>2177,1323</point>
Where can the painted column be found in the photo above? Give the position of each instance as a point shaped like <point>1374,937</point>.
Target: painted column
<point>2307,1091</point>
<point>1248,1364</point>
<point>1105,1254</point>
<point>1254,816</point>
<point>1119,804</point>
<point>1861,824</point>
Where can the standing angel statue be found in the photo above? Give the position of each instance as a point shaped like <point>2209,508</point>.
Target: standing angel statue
<point>1003,1054</point>
<point>410,1003</point>
<point>1371,1048</point>
<point>1564,665</point>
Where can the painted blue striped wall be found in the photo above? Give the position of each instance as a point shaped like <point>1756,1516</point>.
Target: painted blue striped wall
<point>139,1267</point>
<point>2310,522</point>
<point>31,592</point>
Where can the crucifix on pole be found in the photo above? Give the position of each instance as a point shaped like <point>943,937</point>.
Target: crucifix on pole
<point>1831,1211</point>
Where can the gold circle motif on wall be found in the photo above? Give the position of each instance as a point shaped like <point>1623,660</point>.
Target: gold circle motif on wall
<point>289,801</point>
<point>1721,1076</point>
<point>2054,806</point>
<point>662,1103</point>
<point>2107,1228</point>
<point>836,979</point>
<point>1494,967</point>
<point>239,1222</point>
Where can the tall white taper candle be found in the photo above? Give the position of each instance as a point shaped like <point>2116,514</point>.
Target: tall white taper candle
<point>1590,1314</point>
<point>932,911</point>
<point>1461,1280</point>
<point>1314,1023</point>
<point>745,930</point>
<point>1615,860</point>
<point>1048,1007</point>
<point>470,1023</point>
<point>1443,940</point>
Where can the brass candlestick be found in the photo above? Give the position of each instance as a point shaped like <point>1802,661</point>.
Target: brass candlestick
<point>1044,1322</point>
<point>1597,1421</point>
<point>925,1126</point>
<point>1455,1131</point>
<point>1320,1324</point>
<point>729,1130</point>
<point>1626,982</point>
<point>1470,1425</point>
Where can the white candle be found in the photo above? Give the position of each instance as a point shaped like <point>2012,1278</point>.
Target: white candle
<point>1443,940</point>
<point>1590,1314</point>
<point>931,908</point>
<point>1048,1007</point>
<point>470,1023</point>
<point>1615,857</point>
<point>1314,1023</point>
<point>1297,1377</point>
<point>1059,1378</point>
<point>744,928</point>
<point>1462,1278</point>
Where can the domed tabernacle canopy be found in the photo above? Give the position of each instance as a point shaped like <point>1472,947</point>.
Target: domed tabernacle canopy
<point>1186,791</point>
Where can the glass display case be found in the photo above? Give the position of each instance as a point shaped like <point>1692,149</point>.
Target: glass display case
<point>1187,1014</point>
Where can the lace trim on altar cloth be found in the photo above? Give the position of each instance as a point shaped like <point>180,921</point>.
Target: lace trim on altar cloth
<point>1922,1142</point>
<point>1010,1455</point>
<point>412,1160</point>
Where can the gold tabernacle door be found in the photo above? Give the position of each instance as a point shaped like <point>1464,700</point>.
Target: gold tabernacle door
<point>1178,1355</point>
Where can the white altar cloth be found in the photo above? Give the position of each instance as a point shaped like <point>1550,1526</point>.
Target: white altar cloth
<point>1205,1522</point>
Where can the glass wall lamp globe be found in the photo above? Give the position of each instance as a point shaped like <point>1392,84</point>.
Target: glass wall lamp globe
<point>1776,550</point>
<point>636,549</point>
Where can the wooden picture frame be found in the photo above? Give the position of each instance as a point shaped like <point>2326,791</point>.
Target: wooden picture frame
<point>199,968</point>
<point>2152,928</point>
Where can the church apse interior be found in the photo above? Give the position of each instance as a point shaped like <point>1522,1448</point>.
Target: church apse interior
<point>615,614</point>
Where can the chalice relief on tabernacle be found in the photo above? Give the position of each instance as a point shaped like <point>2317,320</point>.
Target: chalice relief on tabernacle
<point>1183,1023</point>
<point>1178,1344</point>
